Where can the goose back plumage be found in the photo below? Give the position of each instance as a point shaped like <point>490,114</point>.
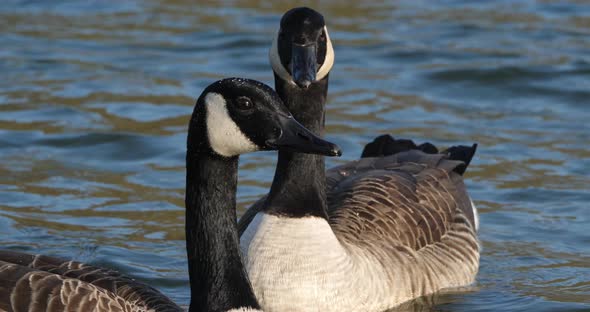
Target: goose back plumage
<point>410,201</point>
<point>43,283</point>
<point>411,212</point>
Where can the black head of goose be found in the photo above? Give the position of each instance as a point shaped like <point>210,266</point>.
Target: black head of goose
<point>231,117</point>
<point>301,53</point>
<point>365,236</point>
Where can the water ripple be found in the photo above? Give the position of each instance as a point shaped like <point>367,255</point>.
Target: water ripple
<point>97,96</point>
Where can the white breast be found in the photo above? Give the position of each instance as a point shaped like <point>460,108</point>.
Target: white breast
<point>303,258</point>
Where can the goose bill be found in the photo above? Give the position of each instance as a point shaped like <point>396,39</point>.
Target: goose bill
<point>296,138</point>
<point>304,64</point>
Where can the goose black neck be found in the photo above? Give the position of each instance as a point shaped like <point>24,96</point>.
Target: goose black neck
<point>299,185</point>
<point>218,279</point>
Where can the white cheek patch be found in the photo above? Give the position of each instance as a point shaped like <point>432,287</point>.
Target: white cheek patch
<point>329,60</point>
<point>225,137</point>
<point>277,66</point>
<point>275,61</point>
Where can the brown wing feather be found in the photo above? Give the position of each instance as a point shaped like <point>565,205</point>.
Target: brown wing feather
<point>84,283</point>
<point>410,199</point>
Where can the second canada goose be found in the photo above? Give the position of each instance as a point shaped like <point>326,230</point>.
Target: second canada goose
<point>231,117</point>
<point>365,236</point>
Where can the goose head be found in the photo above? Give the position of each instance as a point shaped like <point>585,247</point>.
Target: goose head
<point>238,116</point>
<point>302,52</point>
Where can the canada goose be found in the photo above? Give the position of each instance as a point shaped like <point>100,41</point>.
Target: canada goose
<point>365,236</point>
<point>301,57</point>
<point>231,117</point>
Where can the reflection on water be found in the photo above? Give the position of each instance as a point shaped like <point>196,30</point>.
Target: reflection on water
<point>96,97</point>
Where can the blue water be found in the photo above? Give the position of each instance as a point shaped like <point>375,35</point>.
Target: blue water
<point>96,95</point>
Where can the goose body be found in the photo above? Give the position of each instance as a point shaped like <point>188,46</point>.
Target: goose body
<point>397,230</point>
<point>231,117</point>
<point>373,233</point>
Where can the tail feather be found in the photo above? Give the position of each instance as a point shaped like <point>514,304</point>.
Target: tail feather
<point>385,145</point>
<point>428,148</point>
<point>462,153</point>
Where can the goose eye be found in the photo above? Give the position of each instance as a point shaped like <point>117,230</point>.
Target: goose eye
<point>244,103</point>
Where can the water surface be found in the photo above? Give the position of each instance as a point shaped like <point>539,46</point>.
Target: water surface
<point>96,96</point>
